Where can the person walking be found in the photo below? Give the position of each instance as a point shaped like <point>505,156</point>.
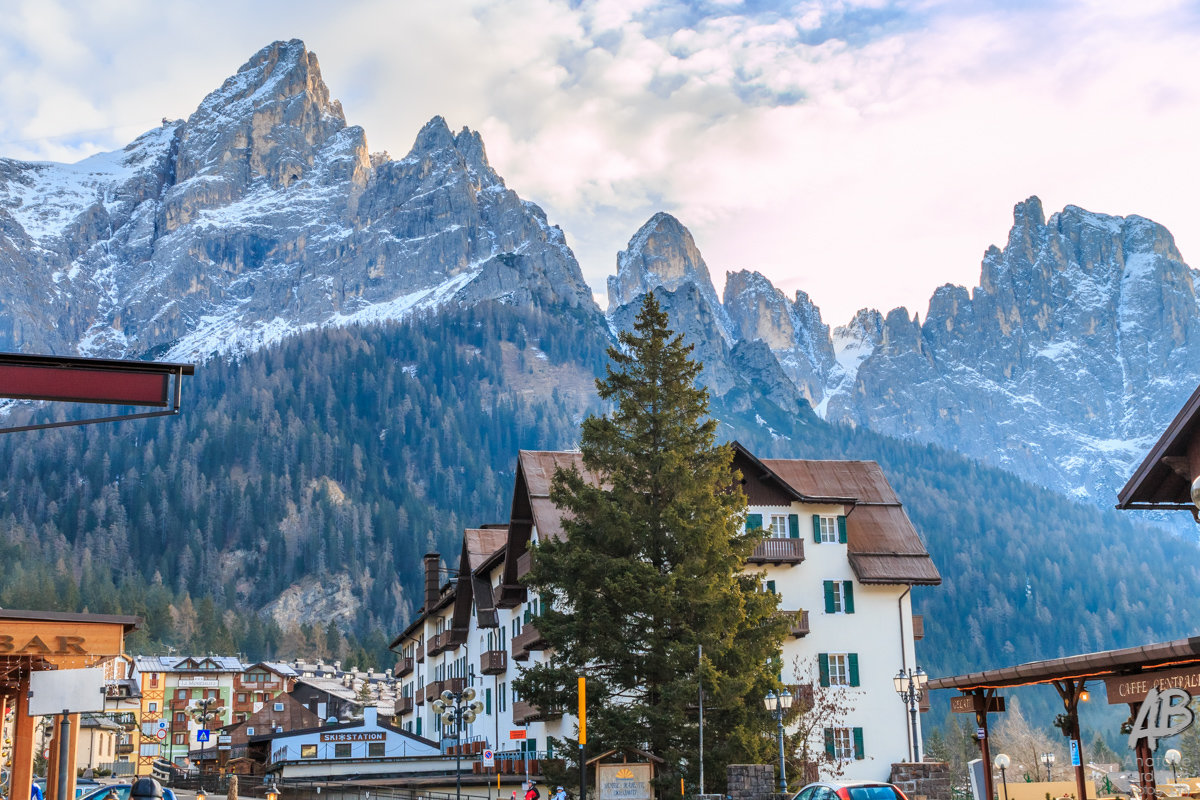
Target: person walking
<point>532,792</point>
<point>559,794</point>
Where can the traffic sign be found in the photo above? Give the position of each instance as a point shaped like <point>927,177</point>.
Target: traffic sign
<point>162,733</point>
<point>516,734</point>
<point>1074,753</point>
<point>162,724</point>
<point>202,735</point>
<point>489,758</point>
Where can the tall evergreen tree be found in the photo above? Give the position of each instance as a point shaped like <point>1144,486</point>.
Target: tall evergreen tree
<point>651,569</point>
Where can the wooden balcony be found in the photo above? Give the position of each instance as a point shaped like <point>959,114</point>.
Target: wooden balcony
<point>438,643</point>
<point>404,705</point>
<point>420,653</point>
<point>528,639</point>
<point>527,712</point>
<point>434,689</point>
<point>403,667</point>
<point>778,551</point>
<point>493,662</point>
<point>419,696</point>
<point>918,627</point>
<point>798,623</point>
<point>124,748</point>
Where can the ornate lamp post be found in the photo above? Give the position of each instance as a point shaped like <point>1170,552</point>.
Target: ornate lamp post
<point>778,704</point>
<point>1048,760</point>
<point>910,685</point>
<point>204,710</point>
<point>457,709</point>
<point>1002,761</point>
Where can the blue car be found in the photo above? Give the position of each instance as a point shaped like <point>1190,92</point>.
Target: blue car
<point>121,792</point>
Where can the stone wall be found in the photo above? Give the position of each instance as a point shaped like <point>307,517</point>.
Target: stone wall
<point>926,780</point>
<point>753,781</point>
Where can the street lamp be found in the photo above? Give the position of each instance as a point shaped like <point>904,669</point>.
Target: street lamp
<point>204,710</point>
<point>456,709</point>
<point>778,704</point>
<point>910,685</point>
<point>1173,757</point>
<point>1047,759</point>
<point>1002,761</point>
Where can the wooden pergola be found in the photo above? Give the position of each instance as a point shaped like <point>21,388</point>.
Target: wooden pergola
<point>32,641</point>
<point>1128,675</point>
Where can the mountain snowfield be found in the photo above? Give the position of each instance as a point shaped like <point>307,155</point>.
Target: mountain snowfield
<point>264,214</point>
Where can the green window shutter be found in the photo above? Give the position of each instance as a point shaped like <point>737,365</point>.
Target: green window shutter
<point>848,596</point>
<point>549,748</point>
<point>829,743</point>
<point>829,604</point>
<point>771,587</point>
<point>754,522</point>
<point>418,726</point>
<point>794,526</point>
<point>823,666</point>
<point>841,529</point>
<point>816,528</point>
<point>487,701</point>
<point>852,661</point>
<point>858,744</point>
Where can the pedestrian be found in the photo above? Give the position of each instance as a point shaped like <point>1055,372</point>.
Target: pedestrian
<point>559,794</point>
<point>532,792</point>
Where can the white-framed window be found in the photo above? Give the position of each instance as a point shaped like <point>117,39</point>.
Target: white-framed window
<point>839,669</point>
<point>829,528</point>
<point>279,706</point>
<point>250,731</point>
<point>777,524</point>
<point>839,597</point>
<point>843,744</point>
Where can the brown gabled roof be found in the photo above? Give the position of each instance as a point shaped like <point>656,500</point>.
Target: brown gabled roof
<point>482,544</point>
<point>1164,478</point>
<point>537,467</point>
<point>882,545</point>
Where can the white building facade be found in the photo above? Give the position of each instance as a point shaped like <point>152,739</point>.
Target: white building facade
<point>841,554</point>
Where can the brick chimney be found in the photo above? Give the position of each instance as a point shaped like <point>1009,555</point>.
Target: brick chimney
<point>432,585</point>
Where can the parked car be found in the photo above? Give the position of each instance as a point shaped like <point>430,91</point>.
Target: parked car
<point>82,787</point>
<point>121,790</point>
<point>849,790</point>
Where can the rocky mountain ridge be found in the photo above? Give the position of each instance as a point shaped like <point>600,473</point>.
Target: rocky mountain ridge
<point>261,215</point>
<point>1063,366</point>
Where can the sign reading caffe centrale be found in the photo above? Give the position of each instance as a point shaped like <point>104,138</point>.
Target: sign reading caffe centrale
<point>1134,688</point>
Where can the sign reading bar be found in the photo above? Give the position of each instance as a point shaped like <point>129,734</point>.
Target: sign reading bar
<point>374,736</point>
<point>970,704</point>
<point>1134,688</point>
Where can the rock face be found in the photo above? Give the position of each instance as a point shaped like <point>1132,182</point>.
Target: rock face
<point>1064,365</point>
<point>260,215</point>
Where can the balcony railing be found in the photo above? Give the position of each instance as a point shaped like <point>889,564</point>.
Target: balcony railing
<point>493,662</point>
<point>512,762</point>
<point>798,623</point>
<point>778,551</point>
<point>124,748</point>
<point>419,696</point>
<point>438,642</point>
<point>528,639</point>
<point>404,667</point>
<point>420,653</point>
<point>527,712</point>
<point>404,705</point>
<point>435,688</point>
<point>918,627</point>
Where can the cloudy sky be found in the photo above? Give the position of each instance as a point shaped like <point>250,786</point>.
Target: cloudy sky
<point>864,151</point>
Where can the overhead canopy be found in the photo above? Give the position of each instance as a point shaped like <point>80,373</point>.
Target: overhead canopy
<point>1106,663</point>
<point>1164,478</point>
<point>91,380</point>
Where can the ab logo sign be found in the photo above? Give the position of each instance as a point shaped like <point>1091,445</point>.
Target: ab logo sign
<point>1163,713</point>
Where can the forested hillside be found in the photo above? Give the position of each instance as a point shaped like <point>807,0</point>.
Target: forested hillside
<point>331,463</point>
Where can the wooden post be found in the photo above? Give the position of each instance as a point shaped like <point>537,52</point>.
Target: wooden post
<point>72,753</point>
<point>1145,759</point>
<point>983,698</point>
<point>21,783</point>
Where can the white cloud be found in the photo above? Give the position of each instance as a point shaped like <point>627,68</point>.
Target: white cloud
<point>867,166</point>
